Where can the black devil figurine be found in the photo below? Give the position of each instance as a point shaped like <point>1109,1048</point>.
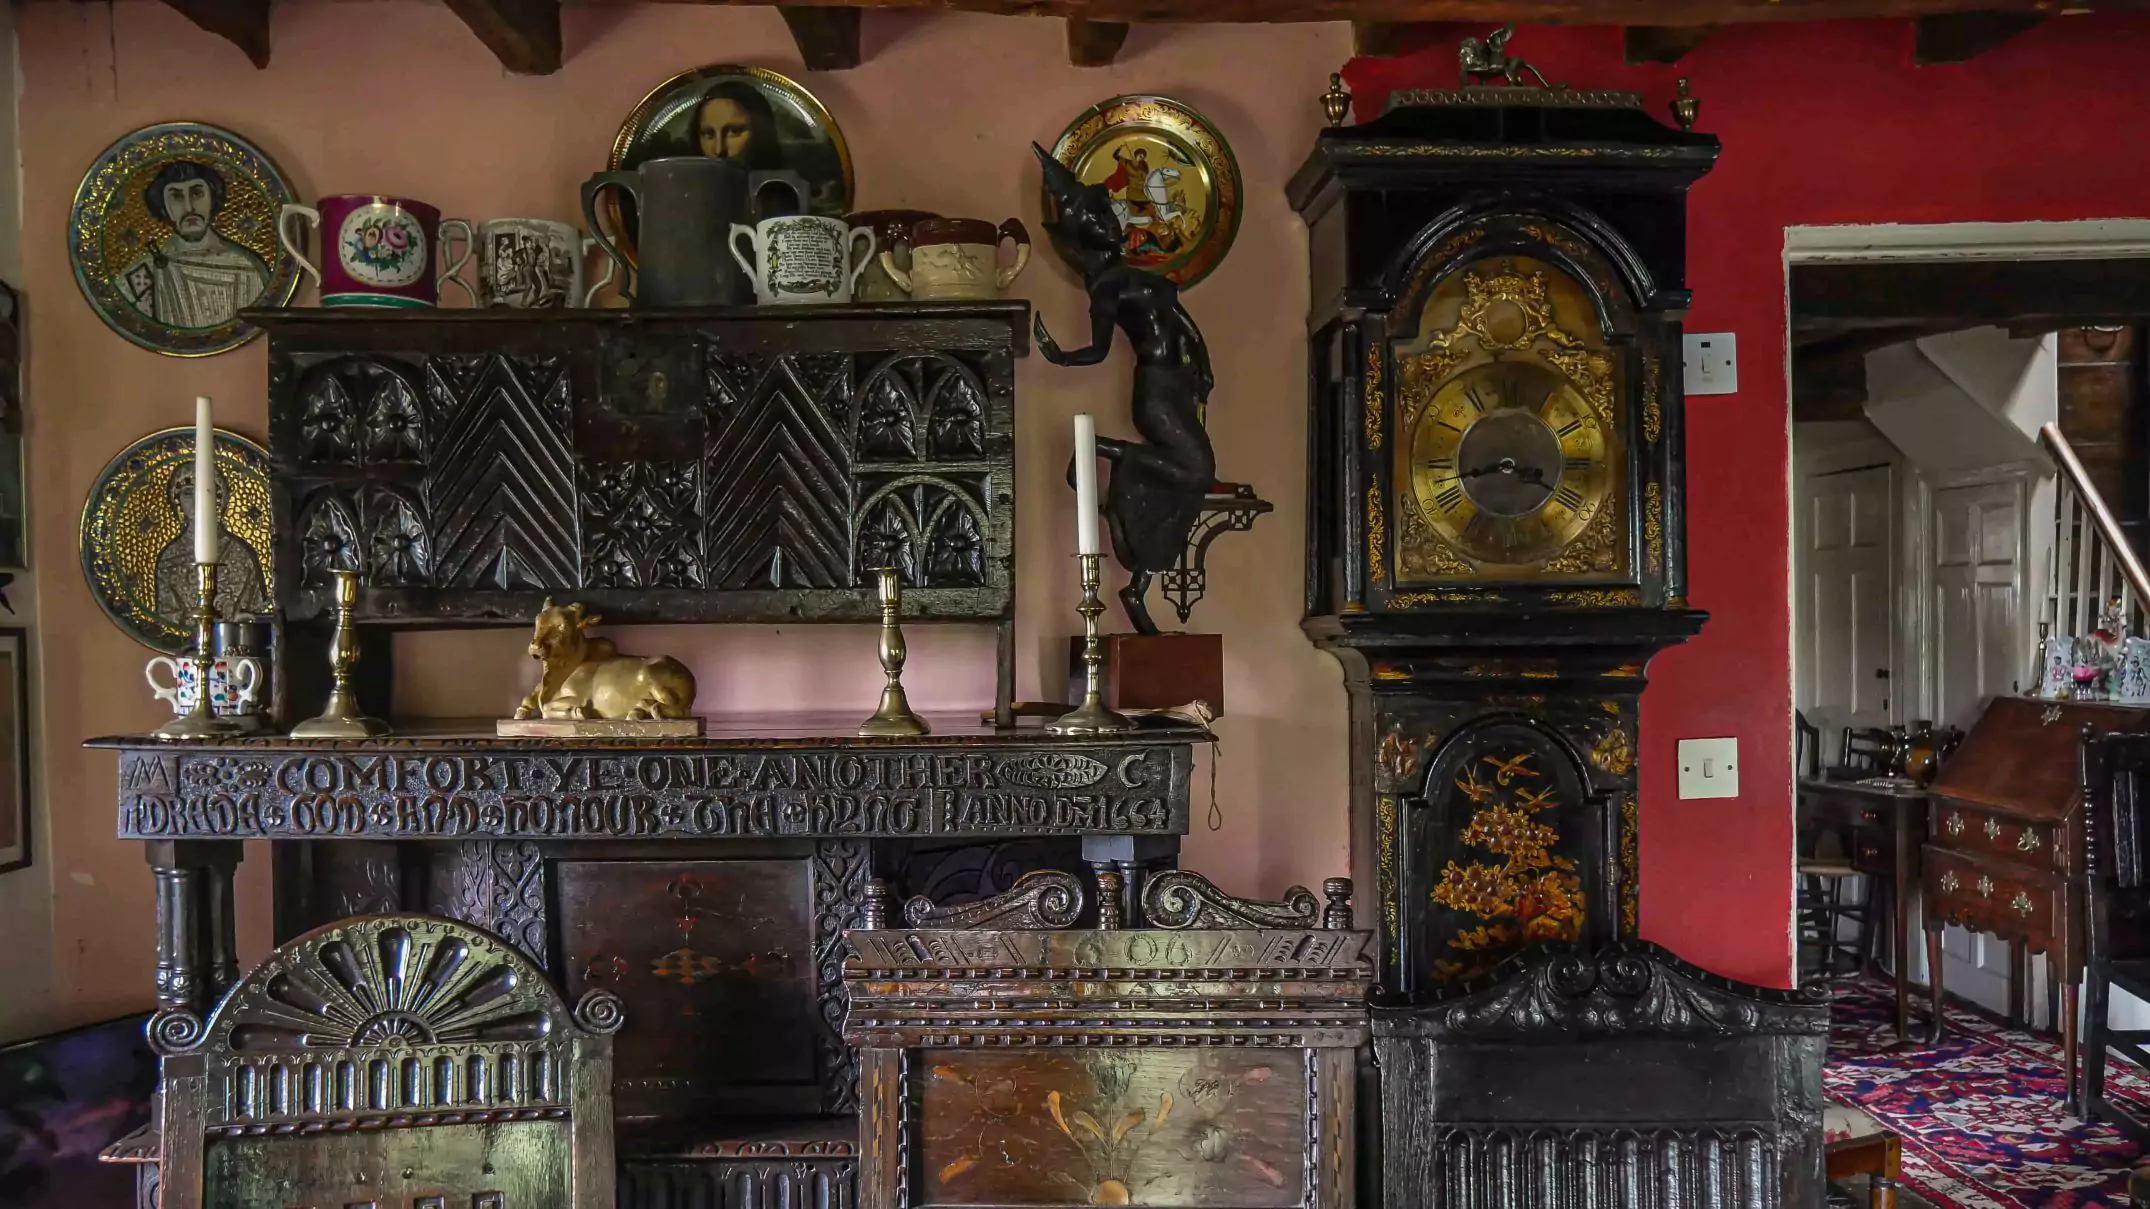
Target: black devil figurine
<point>1156,490</point>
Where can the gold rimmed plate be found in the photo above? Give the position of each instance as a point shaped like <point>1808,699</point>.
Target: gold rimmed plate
<point>1174,181</point>
<point>173,233</point>
<point>137,536</point>
<point>747,113</point>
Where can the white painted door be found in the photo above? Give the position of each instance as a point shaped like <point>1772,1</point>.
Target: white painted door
<point>1977,652</point>
<point>1978,536</point>
<point>1844,567</point>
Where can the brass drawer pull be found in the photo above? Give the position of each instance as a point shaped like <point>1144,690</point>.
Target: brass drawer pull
<point>1949,882</point>
<point>1985,887</point>
<point>1955,824</point>
<point>1993,829</point>
<point>2028,841</point>
<point>2021,902</point>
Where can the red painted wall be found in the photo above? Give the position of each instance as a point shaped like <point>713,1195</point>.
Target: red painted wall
<point>1822,123</point>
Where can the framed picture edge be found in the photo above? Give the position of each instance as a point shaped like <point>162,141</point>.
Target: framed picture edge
<point>28,806</point>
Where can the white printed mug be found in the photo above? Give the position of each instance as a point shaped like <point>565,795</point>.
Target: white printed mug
<point>803,258</point>
<point>233,684</point>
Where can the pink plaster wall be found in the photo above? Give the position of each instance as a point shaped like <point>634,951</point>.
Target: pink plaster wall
<point>397,97</point>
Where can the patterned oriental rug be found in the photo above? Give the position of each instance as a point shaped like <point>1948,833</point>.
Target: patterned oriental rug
<point>1982,1115</point>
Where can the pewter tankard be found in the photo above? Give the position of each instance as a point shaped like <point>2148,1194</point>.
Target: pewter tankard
<point>685,207</point>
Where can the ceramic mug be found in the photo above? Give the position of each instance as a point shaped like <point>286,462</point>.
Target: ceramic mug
<point>233,684</point>
<point>891,230</point>
<point>802,258</point>
<point>958,258</point>
<point>528,263</point>
<point>375,250</point>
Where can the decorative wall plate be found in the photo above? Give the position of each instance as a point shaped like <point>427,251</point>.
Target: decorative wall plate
<point>1174,181</point>
<point>137,536</point>
<point>748,113</point>
<point>174,233</point>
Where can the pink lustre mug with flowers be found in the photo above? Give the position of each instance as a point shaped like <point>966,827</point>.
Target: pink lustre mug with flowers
<point>375,251</point>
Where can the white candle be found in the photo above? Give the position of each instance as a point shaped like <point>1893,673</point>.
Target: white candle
<point>1085,484</point>
<point>205,516</point>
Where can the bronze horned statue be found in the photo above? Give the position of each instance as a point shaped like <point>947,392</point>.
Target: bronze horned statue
<point>587,677</point>
<point>1487,59</point>
<point>1157,489</point>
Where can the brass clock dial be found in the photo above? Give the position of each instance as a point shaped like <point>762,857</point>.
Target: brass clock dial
<point>1510,463</point>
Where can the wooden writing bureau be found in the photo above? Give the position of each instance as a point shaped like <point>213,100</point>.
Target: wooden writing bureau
<point>2004,853</point>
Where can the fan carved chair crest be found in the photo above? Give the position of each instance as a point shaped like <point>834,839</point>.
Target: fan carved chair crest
<point>390,1060</point>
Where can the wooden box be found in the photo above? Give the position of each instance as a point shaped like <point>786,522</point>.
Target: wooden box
<point>1184,1068</point>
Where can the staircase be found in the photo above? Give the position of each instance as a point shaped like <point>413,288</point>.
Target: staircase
<point>2095,582</point>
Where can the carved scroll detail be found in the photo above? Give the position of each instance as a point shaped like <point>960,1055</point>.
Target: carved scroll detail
<point>1179,899</point>
<point>1041,899</point>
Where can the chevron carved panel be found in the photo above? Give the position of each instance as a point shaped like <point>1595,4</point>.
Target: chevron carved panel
<point>778,507</point>
<point>501,490</point>
<point>751,465</point>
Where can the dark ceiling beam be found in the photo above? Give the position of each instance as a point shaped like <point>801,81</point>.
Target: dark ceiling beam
<point>1378,39</point>
<point>243,23</point>
<point>1094,43</point>
<point>1662,43</point>
<point>523,34</point>
<point>1962,37</point>
<point>1960,294</point>
<point>828,36</point>
<point>1487,13</point>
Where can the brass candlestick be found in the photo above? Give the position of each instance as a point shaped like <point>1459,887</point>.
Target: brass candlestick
<point>894,720</point>
<point>1091,717</point>
<point>342,719</point>
<point>201,722</point>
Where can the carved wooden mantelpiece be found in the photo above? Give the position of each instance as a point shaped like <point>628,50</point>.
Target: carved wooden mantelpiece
<point>747,464</point>
<point>768,777</point>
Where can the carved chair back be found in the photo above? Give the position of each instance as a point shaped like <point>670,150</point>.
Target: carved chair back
<point>390,1062</point>
<point>1624,1078</point>
<point>1207,1060</point>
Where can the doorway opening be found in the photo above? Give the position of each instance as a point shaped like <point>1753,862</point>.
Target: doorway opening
<point>1925,362</point>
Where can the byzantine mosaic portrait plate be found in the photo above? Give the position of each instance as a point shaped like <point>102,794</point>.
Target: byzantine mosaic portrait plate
<point>1174,181</point>
<point>137,536</point>
<point>173,233</point>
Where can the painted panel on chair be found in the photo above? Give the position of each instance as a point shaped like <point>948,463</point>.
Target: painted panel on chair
<point>1193,1128</point>
<point>524,1164</point>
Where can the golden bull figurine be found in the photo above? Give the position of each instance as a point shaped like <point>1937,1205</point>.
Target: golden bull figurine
<point>587,679</point>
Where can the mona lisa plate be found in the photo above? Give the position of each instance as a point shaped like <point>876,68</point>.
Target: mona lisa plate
<point>173,233</point>
<point>748,113</point>
<point>137,536</point>
<point>1174,181</point>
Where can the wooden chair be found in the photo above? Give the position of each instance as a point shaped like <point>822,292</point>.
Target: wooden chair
<point>1825,872</point>
<point>390,1062</point>
<point>2116,873</point>
<point>1007,1059</point>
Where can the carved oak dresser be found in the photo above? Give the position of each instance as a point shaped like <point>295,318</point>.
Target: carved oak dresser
<point>735,465</point>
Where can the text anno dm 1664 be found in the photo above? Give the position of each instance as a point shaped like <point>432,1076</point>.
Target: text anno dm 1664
<point>627,795</point>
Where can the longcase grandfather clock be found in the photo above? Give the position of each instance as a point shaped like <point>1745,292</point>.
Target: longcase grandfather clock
<point>1496,544</point>
<point>1496,538</point>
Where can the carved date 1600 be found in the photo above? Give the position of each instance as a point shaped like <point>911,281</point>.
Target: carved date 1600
<point>630,795</point>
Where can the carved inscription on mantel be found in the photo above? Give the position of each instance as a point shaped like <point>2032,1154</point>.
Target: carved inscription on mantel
<point>1132,789</point>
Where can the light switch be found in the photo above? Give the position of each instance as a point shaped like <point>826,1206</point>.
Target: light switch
<point>1712,363</point>
<point>1709,768</point>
